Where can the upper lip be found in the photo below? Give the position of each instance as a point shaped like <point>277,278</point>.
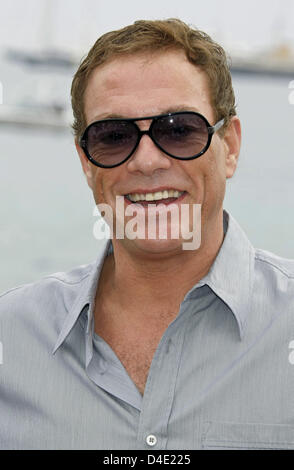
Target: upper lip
<point>153,190</point>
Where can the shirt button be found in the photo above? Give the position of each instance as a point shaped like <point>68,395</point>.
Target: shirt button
<point>151,440</point>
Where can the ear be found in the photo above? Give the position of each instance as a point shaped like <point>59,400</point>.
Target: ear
<point>86,164</point>
<point>232,140</point>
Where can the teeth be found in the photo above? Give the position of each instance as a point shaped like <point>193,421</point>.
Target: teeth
<point>157,196</point>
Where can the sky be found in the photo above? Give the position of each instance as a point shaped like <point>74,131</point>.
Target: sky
<point>76,24</point>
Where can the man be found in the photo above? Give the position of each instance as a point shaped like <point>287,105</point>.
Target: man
<point>154,346</point>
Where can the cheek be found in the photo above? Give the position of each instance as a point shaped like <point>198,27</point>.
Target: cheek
<point>215,177</point>
<point>98,187</point>
<point>208,173</point>
<point>104,185</point>
<point>217,162</point>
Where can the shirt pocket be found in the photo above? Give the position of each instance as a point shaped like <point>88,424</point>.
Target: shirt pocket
<point>250,436</point>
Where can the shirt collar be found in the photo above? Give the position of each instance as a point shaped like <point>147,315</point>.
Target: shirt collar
<point>85,298</point>
<point>231,274</point>
<point>230,277</point>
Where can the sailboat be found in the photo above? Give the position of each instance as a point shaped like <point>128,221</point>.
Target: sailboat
<point>44,100</point>
<point>275,60</point>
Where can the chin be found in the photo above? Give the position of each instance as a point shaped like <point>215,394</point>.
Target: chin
<point>158,246</point>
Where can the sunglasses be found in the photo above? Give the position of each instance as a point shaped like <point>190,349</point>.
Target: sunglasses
<point>183,135</point>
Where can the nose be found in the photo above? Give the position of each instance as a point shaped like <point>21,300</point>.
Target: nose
<point>148,158</point>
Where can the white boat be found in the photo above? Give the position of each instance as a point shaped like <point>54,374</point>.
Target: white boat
<point>36,116</point>
<point>278,61</point>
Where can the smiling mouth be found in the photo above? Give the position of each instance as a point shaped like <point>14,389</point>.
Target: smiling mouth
<point>166,197</point>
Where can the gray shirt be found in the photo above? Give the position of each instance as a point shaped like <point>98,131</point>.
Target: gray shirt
<point>222,375</point>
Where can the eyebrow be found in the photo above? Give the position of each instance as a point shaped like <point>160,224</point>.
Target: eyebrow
<point>173,109</point>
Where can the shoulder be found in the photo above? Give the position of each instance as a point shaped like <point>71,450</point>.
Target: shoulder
<point>47,294</point>
<point>270,262</point>
<point>274,276</point>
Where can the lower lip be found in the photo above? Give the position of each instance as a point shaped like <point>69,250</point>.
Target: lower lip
<point>166,202</point>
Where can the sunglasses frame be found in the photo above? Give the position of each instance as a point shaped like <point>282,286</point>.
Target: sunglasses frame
<point>211,130</point>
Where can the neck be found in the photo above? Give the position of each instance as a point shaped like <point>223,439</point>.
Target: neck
<point>135,281</point>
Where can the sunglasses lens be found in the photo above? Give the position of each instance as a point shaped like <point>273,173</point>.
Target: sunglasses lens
<point>110,142</point>
<point>182,135</point>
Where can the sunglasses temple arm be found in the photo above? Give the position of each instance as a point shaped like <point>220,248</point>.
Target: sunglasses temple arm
<point>216,127</point>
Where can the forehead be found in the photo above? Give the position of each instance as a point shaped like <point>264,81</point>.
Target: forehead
<point>142,85</point>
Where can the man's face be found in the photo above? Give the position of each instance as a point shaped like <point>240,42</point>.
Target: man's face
<point>138,86</point>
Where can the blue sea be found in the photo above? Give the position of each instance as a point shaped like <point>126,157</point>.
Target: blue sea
<point>46,207</point>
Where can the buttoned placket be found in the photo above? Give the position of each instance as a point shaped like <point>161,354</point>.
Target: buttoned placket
<point>105,370</point>
<point>160,387</point>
